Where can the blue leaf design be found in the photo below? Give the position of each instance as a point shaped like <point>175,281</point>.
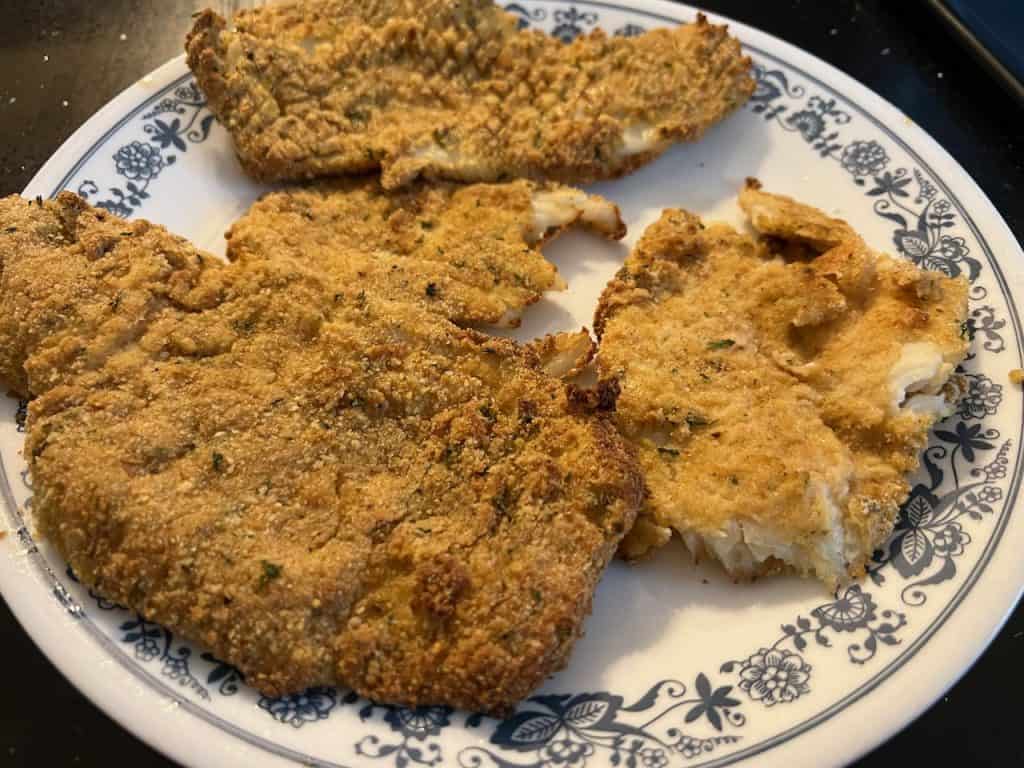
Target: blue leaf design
<point>648,699</point>
<point>915,553</point>
<point>911,242</point>
<point>525,731</point>
<point>721,697</point>
<point>695,713</point>
<point>946,572</point>
<point>893,217</point>
<point>973,268</point>
<point>204,129</point>
<point>590,711</point>
<point>703,686</point>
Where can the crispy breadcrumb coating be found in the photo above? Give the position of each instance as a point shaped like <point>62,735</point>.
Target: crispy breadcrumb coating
<point>452,89</point>
<point>778,391</point>
<point>470,253</point>
<point>319,485</point>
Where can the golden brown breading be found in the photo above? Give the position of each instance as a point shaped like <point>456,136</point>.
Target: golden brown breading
<point>777,403</point>
<point>792,222</point>
<point>319,485</point>
<point>470,253</point>
<point>451,89</point>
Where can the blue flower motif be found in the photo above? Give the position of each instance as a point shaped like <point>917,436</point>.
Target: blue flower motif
<point>775,676</point>
<point>927,190</point>
<point>298,709</point>
<point>692,746</point>
<point>927,530</point>
<point>810,124</point>
<point>164,106</point>
<point>952,249</point>
<point>566,752</point>
<point>711,701</point>
<point>146,649</point>
<point>950,540</point>
<point>990,494</point>
<point>864,158</point>
<point>853,611</point>
<point>982,398</point>
<point>569,24</point>
<point>176,667</point>
<point>967,438</point>
<point>166,135</point>
<point>138,161</point>
<point>889,184</point>
<point>418,722</point>
<point>653,757</point>
<point>189,92</point>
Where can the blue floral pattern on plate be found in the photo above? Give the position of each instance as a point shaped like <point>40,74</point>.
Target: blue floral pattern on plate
<point>141,162</point>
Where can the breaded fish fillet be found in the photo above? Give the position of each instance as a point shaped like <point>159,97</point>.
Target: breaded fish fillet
<point>778,391</point>
<point>452,89</point>
<point>319,485</point>
<point>470,253</point>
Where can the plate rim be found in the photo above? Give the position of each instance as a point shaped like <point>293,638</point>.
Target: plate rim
<point>853,92</point>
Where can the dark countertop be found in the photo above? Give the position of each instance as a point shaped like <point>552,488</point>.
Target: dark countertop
<point>60,61</point>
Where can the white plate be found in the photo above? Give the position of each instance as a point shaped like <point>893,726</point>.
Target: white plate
<point>663,676</point>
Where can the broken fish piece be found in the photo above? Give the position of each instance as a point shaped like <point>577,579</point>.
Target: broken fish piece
<point>780,390</point>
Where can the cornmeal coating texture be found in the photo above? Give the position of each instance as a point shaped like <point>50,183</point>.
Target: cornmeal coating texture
<point>452,89</point>
<point>471,253</point>
<point>778,390</point>
<point>321,486</point>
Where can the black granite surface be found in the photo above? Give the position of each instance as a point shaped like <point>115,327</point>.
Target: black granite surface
<point>61,60</point>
